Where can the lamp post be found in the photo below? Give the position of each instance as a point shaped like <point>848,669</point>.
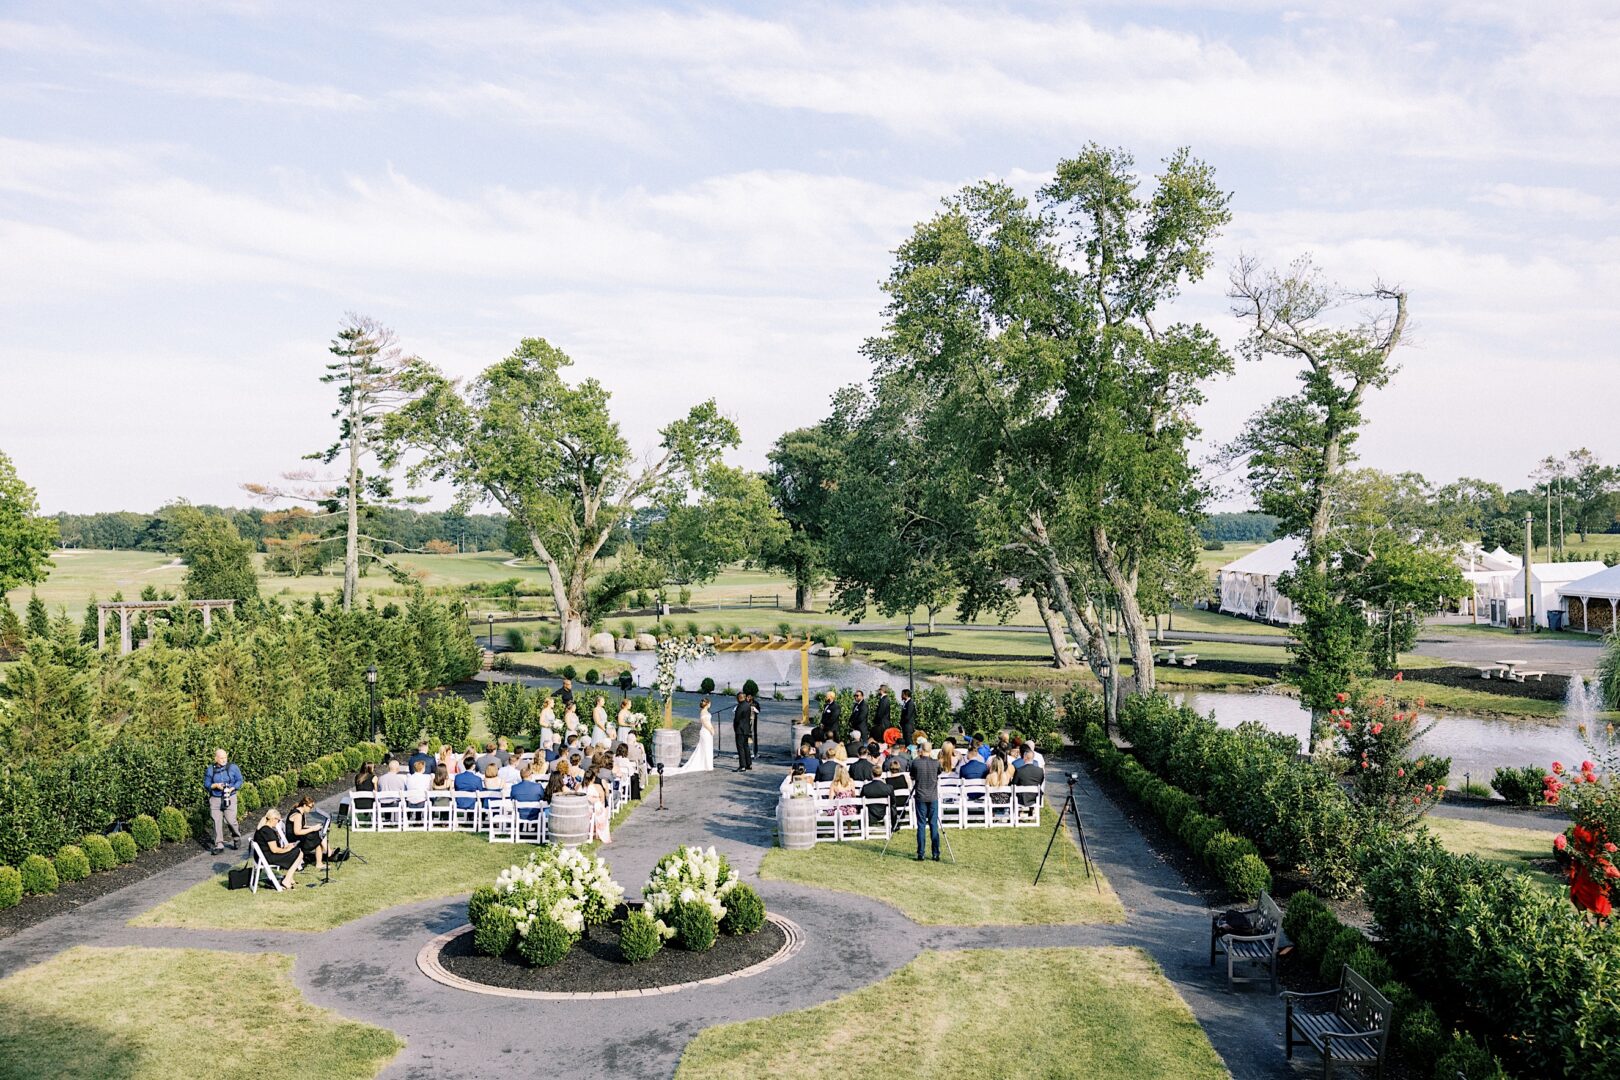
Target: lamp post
<point>911,661</point>
<point>492,631</point>
<point>1105,672</point>
<point>371,691</point>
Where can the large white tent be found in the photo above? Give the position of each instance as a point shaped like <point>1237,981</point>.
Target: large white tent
<point>1490,573</point>
<point>1592,603</point>
<point>1545,580</point>
<point>1248,586</point>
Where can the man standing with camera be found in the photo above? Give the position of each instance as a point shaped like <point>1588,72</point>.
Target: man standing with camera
<point>221,781</point>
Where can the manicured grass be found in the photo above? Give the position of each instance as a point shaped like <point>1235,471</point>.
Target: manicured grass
<point>989,885</point>
<point>1213,622</point>
<point>983,1013</point>
<point>1502,844</point>
<point>402,868</point>
<point>160,1013</point>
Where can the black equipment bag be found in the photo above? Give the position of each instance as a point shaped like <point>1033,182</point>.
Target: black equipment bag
<point>239,876</point>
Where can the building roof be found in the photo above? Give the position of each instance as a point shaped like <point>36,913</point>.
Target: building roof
<point>1554,572</point>
<point>1277,557</point>
<point>1604,584</point>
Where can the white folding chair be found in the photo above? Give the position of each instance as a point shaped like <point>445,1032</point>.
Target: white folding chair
<point>901,813</point>
<point>363,810</point>
<point>500,821</point>
<point>826,820</point>
<point>441,811</point>
<point>414,815</point>
<point>1026,813</point>
<point>1000,813</point>
<point>488,805</point>
<point>464,814</point>
<point>878,830</point>
<point>390,811</point>
<point>975,805</point>
<point>262,869</point>
<point>527,830</point>
<point>952,812</point>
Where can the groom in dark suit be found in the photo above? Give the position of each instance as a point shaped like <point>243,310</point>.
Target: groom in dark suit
<point>741,728</point>
<point>880,717</point>
<point>908,716</point>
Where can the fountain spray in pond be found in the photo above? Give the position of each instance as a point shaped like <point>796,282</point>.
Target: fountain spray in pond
<point>1583,700</point>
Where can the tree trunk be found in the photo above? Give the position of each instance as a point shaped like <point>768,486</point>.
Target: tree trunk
<point>351,550</point>
<point>1130,612</point>
<point>931,621</point>
<point>798,596</point>
<point>1062,658</point>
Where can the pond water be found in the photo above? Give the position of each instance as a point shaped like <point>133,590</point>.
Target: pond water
<point>1476,746</point>
<point>774,670</point>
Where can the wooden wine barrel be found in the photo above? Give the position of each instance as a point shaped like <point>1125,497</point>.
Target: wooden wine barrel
<point>667,748</point>
<point>570,822</point>
<point>796,823</point>
<point>799,733</point>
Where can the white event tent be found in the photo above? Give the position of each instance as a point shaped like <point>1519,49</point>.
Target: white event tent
<point>1593,602</point>
<point>1545,582</point>
<point>1248,586</point>
<point>1490,573</point>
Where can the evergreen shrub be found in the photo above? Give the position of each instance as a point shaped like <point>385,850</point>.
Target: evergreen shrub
<point>144,828</point>
<point>72,864</point>
<point>123,845</point>
<point>639,938</point>
<point>100,851</point>
<point>38,875</point>
<point>172,824</point>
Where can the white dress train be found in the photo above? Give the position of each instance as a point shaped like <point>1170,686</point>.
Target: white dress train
<point>702,759</point>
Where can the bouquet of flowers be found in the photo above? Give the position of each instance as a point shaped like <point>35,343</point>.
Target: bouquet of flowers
<point>686,875</point>
<point>574,889</point>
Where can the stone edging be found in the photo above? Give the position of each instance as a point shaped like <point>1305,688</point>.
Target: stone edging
<point>427,959</point>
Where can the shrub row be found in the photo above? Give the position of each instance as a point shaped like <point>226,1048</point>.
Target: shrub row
<point>1425,1043</point>
<point>442,719</point>
<point>40,874</point>
<point>1230,857</point>
<point>1293,809</point>
<point>1495,945</point>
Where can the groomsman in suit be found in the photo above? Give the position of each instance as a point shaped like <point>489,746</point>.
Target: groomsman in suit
<point>740,731</point>
<point>857,714</point>
<point>880,717</point>
<point>908,716</point>
<point>829,716</point>
<point>753,724</point>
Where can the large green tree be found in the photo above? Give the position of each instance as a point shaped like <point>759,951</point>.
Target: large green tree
<point>1045,366</point>
<point>26,538</point>
<point>803,476</point>
<point>219,563</point>
<point>550,454</point>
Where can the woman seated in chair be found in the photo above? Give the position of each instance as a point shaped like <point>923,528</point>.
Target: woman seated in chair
<point>280,853</point>
<point>441,779</point>
<point>999,779</point>
<point>598,795</point>
<point>304,833</point>
<point>844,788</point>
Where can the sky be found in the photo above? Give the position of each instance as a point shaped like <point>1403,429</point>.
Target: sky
<point>701,200</point>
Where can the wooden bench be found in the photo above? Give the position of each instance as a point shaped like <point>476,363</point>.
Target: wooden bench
<point>1350,1024</point>
<point>1259,948</point>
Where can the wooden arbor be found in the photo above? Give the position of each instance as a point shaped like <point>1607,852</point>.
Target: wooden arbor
<point>777,644</point>
<point>123,607</point>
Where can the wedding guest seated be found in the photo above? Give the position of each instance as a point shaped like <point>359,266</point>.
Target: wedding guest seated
<point>796,779</point>
<point>853,744</point>
<point>366,778</point>
<point>510,772</point>
<point>527,790</point>
<point>558,784</point>
<point>981,748</point>
<point>808,759</point>
<point>421,755</point>
<point>972,767</point>
<point>417,784</point>
<point>304,833</point>
<point>442,781</point>
<point>503,751</point>
<point>875,788</point>
<point>901,753</point>
<point>947,757</point>
<point>623,767</point>
<point>843,788</point>
<point>448,758</point>
<point>1028,774</point>
<point>999,779</point>
<point>488,757</point>
<point>392,780</point>
<point>835,760</point>
<point>861,769</point>
<point>900,781</point>
<point>492,777</point>
<point>278,852</point>
<point>1040,759</point>
<point>468,780</point>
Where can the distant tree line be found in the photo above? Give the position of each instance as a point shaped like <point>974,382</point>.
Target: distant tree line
<point>1249,527</point>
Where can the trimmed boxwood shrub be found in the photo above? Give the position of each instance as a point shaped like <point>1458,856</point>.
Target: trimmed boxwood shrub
<point>707,685</point>
<point>144,828</point>
<point>271,790</point>
<point>546,942</point>
<point>495,932</point>
<point>1419,1034</point>
<point>123,846</point>
<point>72,864</point>
<point>1247,876</point>
<point>639,938</point>
<point>10,887</point>
<point>172,825</point>
<point>290,781</point>
<point>353,758</point>
<point>695,928</point>
<point>1520,787</point>
<point>1465,1057</point>
<point>100,852</point>
<point>249,799</point>
<point>38,875</point>
<point>593,676</point>
<point>479,902</point>
<point>745,911</point>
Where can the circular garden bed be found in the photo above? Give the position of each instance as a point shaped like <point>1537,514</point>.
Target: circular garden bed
<point>595,966</point>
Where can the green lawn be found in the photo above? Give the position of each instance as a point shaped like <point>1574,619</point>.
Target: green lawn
<point>138,1013</point>
<point>1502,844</point>
<point>990,1014</point>
<point>989,885</point>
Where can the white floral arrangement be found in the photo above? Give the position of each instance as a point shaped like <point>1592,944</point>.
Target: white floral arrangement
<point>671,652</point>
<point>802,788</point>
<point>563,883</point>
<point>686,875</point>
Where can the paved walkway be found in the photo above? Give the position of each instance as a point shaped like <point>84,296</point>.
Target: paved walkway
<point>366,969</point>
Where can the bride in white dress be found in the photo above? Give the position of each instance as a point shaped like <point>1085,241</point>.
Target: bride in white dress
<point>702,759</point>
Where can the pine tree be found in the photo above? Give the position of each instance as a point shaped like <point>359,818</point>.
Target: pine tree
<point>92,616</point>
<point>38,621</point>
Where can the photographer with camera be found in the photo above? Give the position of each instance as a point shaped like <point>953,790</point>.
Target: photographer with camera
<point>221,781</point>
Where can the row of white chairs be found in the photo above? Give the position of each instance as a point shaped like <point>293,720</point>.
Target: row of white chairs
<point>963,804</point>
<point>490,811</point>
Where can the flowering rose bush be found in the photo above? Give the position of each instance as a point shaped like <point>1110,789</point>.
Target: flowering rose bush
<point>1587,850</point>
<point>1375,745</point>
<point>690,875</point>
<point>560,885</point>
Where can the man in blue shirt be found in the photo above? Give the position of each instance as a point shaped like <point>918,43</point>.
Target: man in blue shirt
<point>221,781</point>
<point>973,768</point>
<point>526,790</point>
<point>467,780</point>
<point>808,759</point>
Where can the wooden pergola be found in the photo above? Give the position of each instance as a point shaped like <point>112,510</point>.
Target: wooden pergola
<point>126,643</point>
<point>778,644</point>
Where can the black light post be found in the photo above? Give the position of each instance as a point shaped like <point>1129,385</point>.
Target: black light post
<point>371,690</point>
<point>1105,672</point>
<point>492,631</point>
<point>911,660</point>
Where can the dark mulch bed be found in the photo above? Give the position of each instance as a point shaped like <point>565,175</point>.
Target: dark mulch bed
<point>1547,688</point>
<point>594,965</point>
<point>75,894</point>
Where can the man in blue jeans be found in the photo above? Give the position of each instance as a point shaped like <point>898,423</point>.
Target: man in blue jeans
<point>924,774</point>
